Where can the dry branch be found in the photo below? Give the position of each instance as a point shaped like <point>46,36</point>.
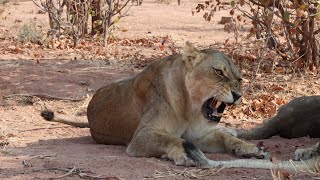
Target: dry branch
<point>288,27</point>
<point>104,15</point>
<point>45,96</point>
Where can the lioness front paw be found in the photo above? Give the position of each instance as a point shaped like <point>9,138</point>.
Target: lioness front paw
<point>304,154</point>
<point>183,160</point>
<point>179,157</point>
<point>188,155</point>
<point>249,150</point>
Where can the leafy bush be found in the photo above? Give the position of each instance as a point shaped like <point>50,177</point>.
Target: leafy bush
<point>30,33</point>
<point>291,28</point>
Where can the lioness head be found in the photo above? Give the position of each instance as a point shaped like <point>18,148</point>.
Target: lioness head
<point>212,81</point>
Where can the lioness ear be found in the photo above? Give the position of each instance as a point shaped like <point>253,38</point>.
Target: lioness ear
<point>190,54</point>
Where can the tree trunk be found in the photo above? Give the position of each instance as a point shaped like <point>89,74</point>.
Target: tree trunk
<point>96,18</point>
<point>107,22</point>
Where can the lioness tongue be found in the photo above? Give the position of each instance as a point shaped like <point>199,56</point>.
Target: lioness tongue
<point>215,112</point>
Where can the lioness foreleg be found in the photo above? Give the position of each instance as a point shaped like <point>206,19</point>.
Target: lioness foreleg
<point>154,143</point>
<point>219,141</point>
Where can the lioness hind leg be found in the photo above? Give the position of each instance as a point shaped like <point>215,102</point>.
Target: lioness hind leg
<point>307,153</point>
<point>161,144</point>
<point>219,141</point>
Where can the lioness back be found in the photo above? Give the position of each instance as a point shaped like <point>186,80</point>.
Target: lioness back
<point>115,110</point>
<point>116,128</point>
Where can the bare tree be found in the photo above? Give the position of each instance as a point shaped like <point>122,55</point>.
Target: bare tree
<point>103,13</point>
<point>289,27</point>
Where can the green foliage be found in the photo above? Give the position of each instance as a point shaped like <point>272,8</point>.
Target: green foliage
<point>233,4</point>
<point>286,16</point>
<point>30,33</point>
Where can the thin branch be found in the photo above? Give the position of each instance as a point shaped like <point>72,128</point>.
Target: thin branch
<point>81,173</point>
<point>117,12</point>
<point>280,8</point>
<point>65,175</point>
<point>249,16</point>
<point>41,7</point>
<point>317,31</point>
<point>45,96</point>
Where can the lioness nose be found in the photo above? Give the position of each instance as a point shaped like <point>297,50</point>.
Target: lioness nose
<point>235,96</point>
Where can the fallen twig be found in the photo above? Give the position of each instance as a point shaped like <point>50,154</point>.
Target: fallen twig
<point>65,175</point>
<point>186,173</point>
<point>26,162</point>
<point>44,128</point>
<point>81,173</point>
<point>45,96</point>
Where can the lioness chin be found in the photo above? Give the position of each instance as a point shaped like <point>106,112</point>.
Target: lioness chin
<point>171,109</point>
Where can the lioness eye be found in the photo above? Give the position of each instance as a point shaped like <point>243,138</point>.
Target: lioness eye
<point>219,72</point>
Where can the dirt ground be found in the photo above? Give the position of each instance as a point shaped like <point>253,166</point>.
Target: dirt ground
<point>31,148</point>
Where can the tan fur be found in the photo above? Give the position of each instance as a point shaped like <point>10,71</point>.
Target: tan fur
<point>157,113</point>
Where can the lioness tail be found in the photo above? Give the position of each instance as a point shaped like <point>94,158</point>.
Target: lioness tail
<point>50,116</point>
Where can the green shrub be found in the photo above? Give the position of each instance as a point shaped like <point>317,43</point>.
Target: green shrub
<point>30,33</point>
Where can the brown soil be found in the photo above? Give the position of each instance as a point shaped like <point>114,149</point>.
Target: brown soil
<point>31,148</point>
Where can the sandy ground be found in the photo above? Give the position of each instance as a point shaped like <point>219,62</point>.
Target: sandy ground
<point>31,148</point>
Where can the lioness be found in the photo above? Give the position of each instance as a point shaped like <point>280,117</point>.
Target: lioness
<point>171,109</point>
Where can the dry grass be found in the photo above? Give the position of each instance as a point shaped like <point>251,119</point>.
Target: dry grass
<point>192,173</point>
<point>280,174</point>
<point>81,109</point>
<point>314,170</point>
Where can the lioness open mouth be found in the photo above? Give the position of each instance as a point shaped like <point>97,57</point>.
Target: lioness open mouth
<point>212,109</point>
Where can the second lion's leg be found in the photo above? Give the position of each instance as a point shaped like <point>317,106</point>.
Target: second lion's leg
<point>307,153</point>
